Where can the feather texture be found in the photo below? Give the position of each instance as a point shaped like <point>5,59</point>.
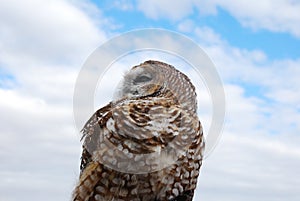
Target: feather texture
<point>147,144</point>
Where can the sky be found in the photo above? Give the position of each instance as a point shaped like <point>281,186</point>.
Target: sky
<point>255,50</point>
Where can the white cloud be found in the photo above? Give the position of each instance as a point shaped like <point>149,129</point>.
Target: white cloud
<point>42,47</point>
<point>38,143</point>
<point>247,169</point>
<point>207,36</point>
<point>173,10</point>
<point>124,5</point>
<point>55,31</point>
<point>275,16</point>
<point>251,161</point>
<point>186,25</point>
<point>271,85</point>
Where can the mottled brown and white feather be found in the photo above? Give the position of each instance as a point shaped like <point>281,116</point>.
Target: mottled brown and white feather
<point>147,144</point>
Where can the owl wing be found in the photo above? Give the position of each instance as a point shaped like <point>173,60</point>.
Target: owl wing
<point>92,131</point>
<point>89,169</point>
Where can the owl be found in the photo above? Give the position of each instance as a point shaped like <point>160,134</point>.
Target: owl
<point>145,145</point>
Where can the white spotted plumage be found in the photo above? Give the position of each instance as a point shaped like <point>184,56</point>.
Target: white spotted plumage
<point>147,144</point>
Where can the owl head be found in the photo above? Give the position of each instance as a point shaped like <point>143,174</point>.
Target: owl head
<point>140,81</point>
<point>155,78</point>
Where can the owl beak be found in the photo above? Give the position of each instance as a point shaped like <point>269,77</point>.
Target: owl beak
<point>135,92</point>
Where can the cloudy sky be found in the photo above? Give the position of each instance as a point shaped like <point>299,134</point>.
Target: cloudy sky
<point>254,46</point>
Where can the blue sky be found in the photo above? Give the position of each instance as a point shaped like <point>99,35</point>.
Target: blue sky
<point>255,49</point>
<point>277,45</point>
